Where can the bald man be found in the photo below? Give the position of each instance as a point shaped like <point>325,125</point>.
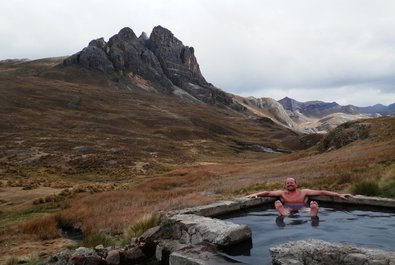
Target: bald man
<point>294,199</point>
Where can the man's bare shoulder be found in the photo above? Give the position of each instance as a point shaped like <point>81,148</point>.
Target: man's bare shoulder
<point>308,191</point>
<point>276,192</point>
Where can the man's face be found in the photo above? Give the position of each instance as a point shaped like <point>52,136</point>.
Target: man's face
<point>290,184</point>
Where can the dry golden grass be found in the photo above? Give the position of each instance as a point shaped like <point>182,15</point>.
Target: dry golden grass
<point>113,212</point>
<point>44,228</point>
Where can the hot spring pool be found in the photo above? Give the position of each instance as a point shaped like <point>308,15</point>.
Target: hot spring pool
<point>360,226</point>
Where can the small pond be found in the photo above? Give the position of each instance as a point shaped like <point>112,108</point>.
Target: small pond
<point>360,226</point>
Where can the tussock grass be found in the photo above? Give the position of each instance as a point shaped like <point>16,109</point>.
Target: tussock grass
<point>117,209</point>
<point>97,238</point>
<point>43,227</point>
<point>138,228</point>
<point>388,189</point>
<point>366,187</point>
<point>12,261</point>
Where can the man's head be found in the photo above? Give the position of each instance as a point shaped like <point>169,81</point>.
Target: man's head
<point>290,184</point>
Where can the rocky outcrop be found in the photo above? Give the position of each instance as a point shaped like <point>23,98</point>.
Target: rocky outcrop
<point>317,252</point>
<point>161,59</point>
<point>345,134</point>
<point>124,54</point>
<point>178,61</point>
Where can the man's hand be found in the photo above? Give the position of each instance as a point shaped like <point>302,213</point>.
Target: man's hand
<point>346,195</point>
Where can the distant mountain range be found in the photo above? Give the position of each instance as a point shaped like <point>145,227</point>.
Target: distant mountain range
<point>319,116</point>
<point>378,109</point>
<point>319,108</point>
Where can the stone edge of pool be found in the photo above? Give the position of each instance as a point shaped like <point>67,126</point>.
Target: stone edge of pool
<point>193,236</point>
<point>290,253</point>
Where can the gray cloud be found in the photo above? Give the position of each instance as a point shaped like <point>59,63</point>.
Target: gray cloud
<point>331,50</point>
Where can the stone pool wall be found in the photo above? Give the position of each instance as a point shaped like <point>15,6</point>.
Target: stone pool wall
<point>191,237</point>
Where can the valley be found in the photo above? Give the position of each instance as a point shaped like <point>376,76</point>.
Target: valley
<point>96,148</point>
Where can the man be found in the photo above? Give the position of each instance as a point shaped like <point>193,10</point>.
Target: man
<point>293,199</point>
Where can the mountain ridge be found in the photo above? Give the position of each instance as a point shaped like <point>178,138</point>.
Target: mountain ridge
<point>332,107</point>
<point>161,63</point>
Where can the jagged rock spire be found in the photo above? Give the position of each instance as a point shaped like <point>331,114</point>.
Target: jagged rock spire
<point>162,59</point>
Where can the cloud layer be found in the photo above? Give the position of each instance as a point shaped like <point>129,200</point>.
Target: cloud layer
<point>327,50</point>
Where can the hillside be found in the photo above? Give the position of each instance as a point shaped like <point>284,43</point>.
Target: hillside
<point>95,142</point>
<point>71,127</point>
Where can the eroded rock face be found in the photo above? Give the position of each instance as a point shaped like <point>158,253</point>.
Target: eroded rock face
<point>161,59</point>
<point>123,54</point>
<point>178,61</point>
<point>317,252</point>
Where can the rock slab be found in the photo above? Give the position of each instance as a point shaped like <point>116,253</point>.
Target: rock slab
<point>196,229</point>
<point>317,252</point>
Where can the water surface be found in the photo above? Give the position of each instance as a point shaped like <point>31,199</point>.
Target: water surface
<point>358,226</point>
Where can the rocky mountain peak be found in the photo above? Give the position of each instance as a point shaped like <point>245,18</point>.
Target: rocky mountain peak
<point>164,37</point>
<point>127,34</point>
<point>289,104</point>
<point>143,36</point>
<point>161,59</point>
<point>178,61</point>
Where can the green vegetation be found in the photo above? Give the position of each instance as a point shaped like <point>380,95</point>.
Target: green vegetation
<point>97,238</point>
<point>366,187</point>
<point>372,188</point>
<point>138,228</point>
<point>388,189</point>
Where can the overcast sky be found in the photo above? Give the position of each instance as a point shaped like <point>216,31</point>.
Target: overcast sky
<point>330,50</point>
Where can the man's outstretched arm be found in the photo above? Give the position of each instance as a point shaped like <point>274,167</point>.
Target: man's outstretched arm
<point>309,192</point>
<point>274,193</point>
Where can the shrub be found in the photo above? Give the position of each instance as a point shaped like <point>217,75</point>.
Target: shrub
<point>388,190</point>
<point>367,187</point>
<point>97,238</point>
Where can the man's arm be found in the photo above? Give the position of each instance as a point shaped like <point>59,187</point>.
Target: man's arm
<point>309,192</point>
<point>274,193</point>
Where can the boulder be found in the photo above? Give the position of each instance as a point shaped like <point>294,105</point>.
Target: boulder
<point>113,257</point>
<point>196,229</point>
<point>132,255</point>
<point>317,252</point>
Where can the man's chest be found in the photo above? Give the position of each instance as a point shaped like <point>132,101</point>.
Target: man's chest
<point>297,197</point>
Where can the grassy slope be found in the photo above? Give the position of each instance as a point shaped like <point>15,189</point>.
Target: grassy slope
<point>150,152</point>
<point>111,129</point>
